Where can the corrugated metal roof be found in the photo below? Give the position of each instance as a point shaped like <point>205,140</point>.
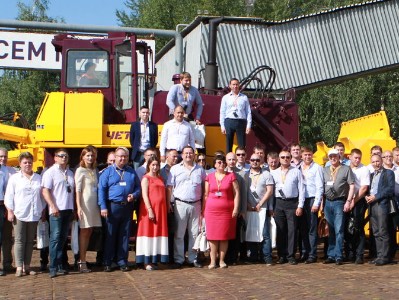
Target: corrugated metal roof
<point>308,50</point>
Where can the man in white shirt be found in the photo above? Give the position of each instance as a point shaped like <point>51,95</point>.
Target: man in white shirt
<point>176,134</point>
<point>235,115</point>
<point>5,225</point>
<point>314,187</point>
<point>355,241</point>
<point>58,191</point>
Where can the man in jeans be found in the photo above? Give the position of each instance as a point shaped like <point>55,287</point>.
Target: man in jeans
<point>58,191</point>
<point>339,185</point>
<point>313,181</point>
<point>259,185</point>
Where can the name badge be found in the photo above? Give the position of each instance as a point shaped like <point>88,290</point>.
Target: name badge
<point>218,194</point>
<point>330,183</point>
<point>122,183</point>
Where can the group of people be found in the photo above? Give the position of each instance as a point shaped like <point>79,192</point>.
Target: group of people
<point>176,195</point>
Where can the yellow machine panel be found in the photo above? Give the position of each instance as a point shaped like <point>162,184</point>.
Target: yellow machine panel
<point>361,133</point>
<point>50,120</point>
<point>83,118</point>
<point>116,135</point>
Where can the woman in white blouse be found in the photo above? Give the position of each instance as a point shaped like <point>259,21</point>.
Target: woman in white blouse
<point>24,206</point>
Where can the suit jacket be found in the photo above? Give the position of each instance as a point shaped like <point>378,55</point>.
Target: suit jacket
<point>135,136</point>
<point>386,185</point>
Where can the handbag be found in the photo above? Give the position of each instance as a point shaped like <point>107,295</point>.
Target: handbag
<point>75,237</point>
<point>322,228</point>
<point>255,224</point>
<point>201,242</point>
<point>43,237</point>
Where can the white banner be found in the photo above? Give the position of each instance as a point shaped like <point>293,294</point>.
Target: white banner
<point>35,51</point>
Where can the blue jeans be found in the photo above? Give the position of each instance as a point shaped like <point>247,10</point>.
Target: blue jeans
<point>308,226</point>
<point>334,212</point>
<point>267,241</point>
<point>59,227</point>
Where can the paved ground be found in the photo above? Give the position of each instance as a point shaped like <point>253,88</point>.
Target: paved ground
<point>348,281</point>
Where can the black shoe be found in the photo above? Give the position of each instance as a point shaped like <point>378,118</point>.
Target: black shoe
<point>62,272</point>
<point>269,262</point>
<point>311,260</point>
<point>43,267</point>
<point>338,262</point>
<point>359,261</point>
<point>107,269</point>
<point>329,260</point>
<point>124,268</point>
<point>292,261</point>
<point>303,258</point>
<point>9,269</point>
<point>176,266</point>
<point>196,264</point>
<point>2,273</point>
<point>380,262</point>
<point>282,261</point>
<point>53,274</point>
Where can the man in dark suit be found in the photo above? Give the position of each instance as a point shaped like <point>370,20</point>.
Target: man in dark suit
<point>381,190</point>
<point>143,135</point>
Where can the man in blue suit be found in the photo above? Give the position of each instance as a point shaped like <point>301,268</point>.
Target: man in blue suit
<point>143,135</point>
<point>381,190</point>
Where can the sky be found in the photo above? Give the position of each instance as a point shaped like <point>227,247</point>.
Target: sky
<point>84,12</point>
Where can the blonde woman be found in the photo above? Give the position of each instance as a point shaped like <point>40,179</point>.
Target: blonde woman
<point>86,179</point>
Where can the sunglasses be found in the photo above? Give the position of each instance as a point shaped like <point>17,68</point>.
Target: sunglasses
<point>285,157</point>
<point>201,159</point>
<point>62,155</point>
<point>221,162</point>
<point>240,154</point>
<point>255,159</point>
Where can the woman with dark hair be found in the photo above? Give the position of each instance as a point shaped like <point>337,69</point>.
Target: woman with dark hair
<point>152,233</point>
<point>220,210</point>
<point>86,179</point>
<point>24,206</point>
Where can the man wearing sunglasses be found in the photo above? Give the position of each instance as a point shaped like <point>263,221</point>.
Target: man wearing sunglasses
<point>58,191</point>
<point>259,187</point>
<point>290,198</point>
<point>241,157</point>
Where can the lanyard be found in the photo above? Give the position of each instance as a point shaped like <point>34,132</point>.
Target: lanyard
<point>283,175</point>
<point>219,182</point>
<point>120,175</point>
<point>254,176</point>
<point>333,172</point>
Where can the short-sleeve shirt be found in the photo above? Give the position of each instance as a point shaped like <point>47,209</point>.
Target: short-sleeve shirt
<point>337,185</point>
<point>57,180</point>
<point>257,184</point>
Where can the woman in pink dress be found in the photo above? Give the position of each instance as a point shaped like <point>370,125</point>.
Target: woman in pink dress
<point>221,210</point>
<point>152,232</point>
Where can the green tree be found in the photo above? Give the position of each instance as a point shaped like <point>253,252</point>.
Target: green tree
<point>23,91</point>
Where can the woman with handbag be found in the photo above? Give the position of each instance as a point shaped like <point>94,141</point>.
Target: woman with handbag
<point>86,179</point>
<point>24,207</point>
<point>220,207</point>
<point>152,232</point>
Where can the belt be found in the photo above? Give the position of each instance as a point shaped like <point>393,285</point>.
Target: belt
<point>310,198</point>
<point>287,199</point>
<point>188,202</point>
<point>337,199</point>
<point>120,202</point>
<point>178,152</point>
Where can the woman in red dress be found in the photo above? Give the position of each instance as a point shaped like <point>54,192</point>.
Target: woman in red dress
<point>152,232</point>
<point>221,210</point>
